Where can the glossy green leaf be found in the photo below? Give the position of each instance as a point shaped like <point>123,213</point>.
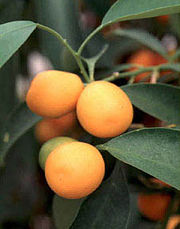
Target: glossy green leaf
<point>127,9</point>
<point>143,37</point>
<point>18,122</point>
<point>159,100</point>
<point>155,151</point>
<point>65,211</point>
<point>12,36</point>
<point>108,206</point>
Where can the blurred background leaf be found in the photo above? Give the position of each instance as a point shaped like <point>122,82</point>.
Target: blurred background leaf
<point>21,195</point>
<point>175,24</point>
<point>63,17</point>
<point>20,121</point>
<point>143,37</point>
<point>100,7</point>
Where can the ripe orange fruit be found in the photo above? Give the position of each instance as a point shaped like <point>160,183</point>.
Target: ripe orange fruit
<point>146,58</point>
<point>104,110</point>
<point>49,146</point>
<point>66,125</point>
<point>74,170</point>
<point>173,222</point>
<point>54,93</point>
<point>163,19</point>
<point>153,206</point>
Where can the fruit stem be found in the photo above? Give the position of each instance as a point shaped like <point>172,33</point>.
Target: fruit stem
<point>128,74</point>
<point>140,69</point>
<point>89,38</point>
<point>65,43</point>
<point>154,77</point>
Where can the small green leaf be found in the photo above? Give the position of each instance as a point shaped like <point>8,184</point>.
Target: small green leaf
<point>107,207</point>
<point>159,100</point>
<point>127,9</point>
<point>65,211</point>
<point>12,36</point>
<point>143,37</point>
<point>155,151</point>
<point>19,121</point>
<point>91,62</point>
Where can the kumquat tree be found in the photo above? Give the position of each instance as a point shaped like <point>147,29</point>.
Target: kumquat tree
<point>90,114</point>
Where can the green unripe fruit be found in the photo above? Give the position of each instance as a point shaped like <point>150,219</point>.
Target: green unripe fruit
<point>49,146</point>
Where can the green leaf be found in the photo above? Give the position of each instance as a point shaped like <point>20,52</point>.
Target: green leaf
<point>174,24</point>
<point>65,211</point>
<point>159,100</point>
<point>12,36</point>
<point>16,205</point>
<point>91,62</point>
<point>18,122</point>
<point>143,37</point>
<point>124,10</point>
<point>107,207</point>
<point>155,151</point>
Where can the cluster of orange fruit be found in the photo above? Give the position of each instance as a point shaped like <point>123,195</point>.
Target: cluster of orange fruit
<point>75,169</point>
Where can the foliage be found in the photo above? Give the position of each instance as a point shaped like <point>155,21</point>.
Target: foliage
<point>155,151</point>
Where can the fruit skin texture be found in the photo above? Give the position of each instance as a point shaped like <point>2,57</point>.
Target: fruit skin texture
<point>153,206</point>
<point>74,170</point>
<point>54,93</point>
<point>104,110</point>
<point>173,222</point>
<point>49,146</point>
<point>145,58</point>
<point>66,125</point>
